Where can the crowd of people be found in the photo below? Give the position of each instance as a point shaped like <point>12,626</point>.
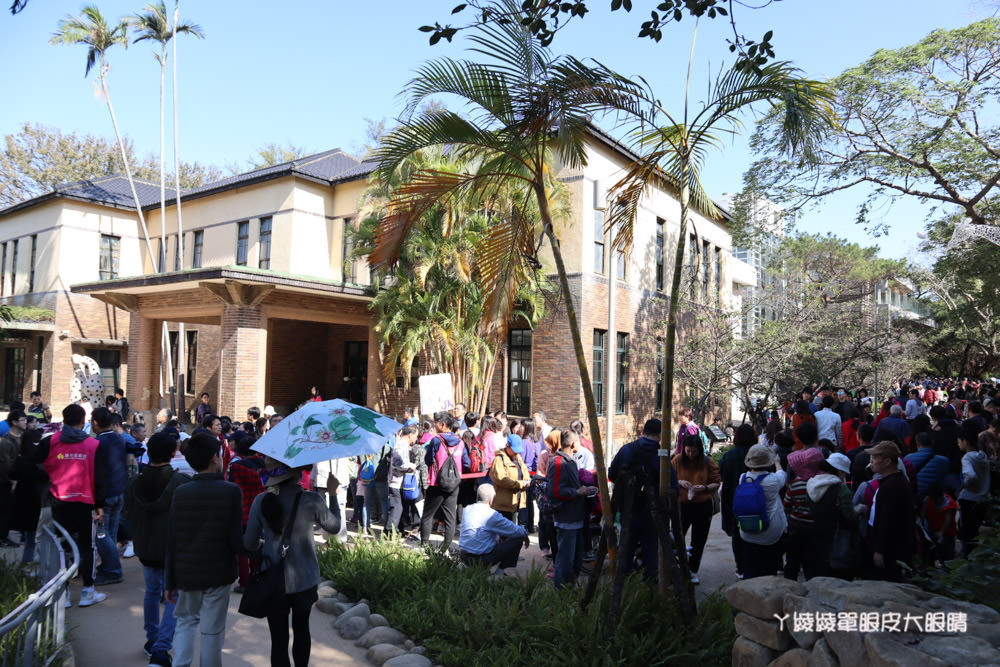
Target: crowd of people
<point>827,488</point>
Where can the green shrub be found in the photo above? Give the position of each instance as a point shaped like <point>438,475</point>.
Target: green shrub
<point>974,580</point>
<point>464,618</point>
<point>29,314</point>
<point>15,586</point>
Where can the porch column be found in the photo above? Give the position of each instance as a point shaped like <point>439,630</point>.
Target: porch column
<point>243,360</point>
<point>142,383</point>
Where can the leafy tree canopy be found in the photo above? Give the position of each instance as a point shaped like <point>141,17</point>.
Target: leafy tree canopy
<point>916,122</point>
<point>268,155</point>
<point>545,18</point>
<point>38,158</point>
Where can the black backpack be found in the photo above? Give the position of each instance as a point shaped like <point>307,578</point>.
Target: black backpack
<point>448,476</point>
<point>382,470</point>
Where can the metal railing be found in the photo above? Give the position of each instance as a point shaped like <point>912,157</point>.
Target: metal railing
<point>35,632</point>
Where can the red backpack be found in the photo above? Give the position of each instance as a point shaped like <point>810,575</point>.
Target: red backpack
<point>477,455</point>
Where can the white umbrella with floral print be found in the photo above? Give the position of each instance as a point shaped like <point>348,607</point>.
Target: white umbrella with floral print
<point>320,431</point>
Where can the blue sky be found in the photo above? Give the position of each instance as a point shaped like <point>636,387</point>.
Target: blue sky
<point>309,72</point>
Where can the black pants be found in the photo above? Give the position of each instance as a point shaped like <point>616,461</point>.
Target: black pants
<point>759,560</point>
<point>505,553</point>
<point>642,538</point>
<point>300,604</point>
<point>76,518</point>
<point>808,549</point>
<point>972,516</point>
<point>6,507</point>
<point>738,551</point>
<point>697,517</point>
<point>448,503</point>
<point>395,512</point>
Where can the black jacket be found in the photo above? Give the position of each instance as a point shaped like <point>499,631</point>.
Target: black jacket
<point>147,506</point>
<point>204,533</point>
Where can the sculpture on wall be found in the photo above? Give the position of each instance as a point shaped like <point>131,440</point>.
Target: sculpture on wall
<point>87,383</point>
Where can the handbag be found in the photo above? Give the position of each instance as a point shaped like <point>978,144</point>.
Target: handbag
<point>716,503</point>
<point>265,589</point>
<point>845,551</point>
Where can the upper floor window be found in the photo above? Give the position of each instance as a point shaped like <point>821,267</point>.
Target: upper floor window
<point>31,264</point>
<point>264,261</point>
<point>600,354</point>
<point>110,253</point>
<point>3,270</point>
<point>199,240</point>
<point>347,247</point>
<point>660,225</point>
<point>242,242</point>
<point>598,241</point>
<point>177,252</point>
<point>519,372</point>
<point>621,373</point>
<point>13,267</point>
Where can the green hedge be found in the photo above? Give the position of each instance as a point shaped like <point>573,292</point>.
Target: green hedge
<point>464,618</point>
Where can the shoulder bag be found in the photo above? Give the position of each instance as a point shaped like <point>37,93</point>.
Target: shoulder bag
<point>266,588</point>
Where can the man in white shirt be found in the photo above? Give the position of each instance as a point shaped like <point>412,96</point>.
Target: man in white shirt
<point>829,424</point>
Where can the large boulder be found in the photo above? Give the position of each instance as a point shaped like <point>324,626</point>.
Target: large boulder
<point>959,650</point>
<point>976,613</point>
<point>822,656</point>
<point>884,651</point>
<point>354,627</point>
<point>804,608</point>
<point>357,611</point>
<point>408,660</point>
<point>328,605</point>
<point>797,657</point>
<point>326,591</point>
<point>378,620</point>
<point>762,597</point>
<point>379,653</point>
<point>768,633</point>
<point>751,654</point>
<point>382,635</point>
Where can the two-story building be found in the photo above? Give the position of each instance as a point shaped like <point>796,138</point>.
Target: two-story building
<point>271,308</point>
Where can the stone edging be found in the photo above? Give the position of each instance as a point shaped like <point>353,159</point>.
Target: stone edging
<point>355,622</point>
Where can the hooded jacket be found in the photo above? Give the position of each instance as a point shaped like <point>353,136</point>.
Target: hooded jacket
<point>147,506</point>
<point>975,477</point>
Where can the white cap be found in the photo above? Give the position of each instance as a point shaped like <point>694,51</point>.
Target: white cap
<point>268,410</point>
<point>840,462</point>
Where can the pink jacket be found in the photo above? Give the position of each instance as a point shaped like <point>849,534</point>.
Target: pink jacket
<point>70,466</point>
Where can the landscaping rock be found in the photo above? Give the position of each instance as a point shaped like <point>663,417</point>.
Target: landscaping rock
<point>343,598</point>
<point>354,627</point>
<point>886,652</point>
<point>408,645</point>
<point>822,656</point>
<point>797,604</point>
<point>762,597</point>
<point>328,606</point>
<point>751,654</point>
<point>326,591</point>
<point>988,631</point>
<point>959,650</point>
<point>357,611</point>
<point>849,648</point>
<point>797,657</point>
<point>768,633</point>
<point>419,650</point>
<point>978,613</point>
<point>381,635</point>
<point>379,653</point>
<point>408,660</point>
<point>378,620</point>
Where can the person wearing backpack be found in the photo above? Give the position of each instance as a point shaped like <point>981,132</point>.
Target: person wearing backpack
<point>511,478</point>
<point>401,466</point>
<point>445,458</point>
<point>381,486</point>
<point>364,494</point>
<point>758,513</point>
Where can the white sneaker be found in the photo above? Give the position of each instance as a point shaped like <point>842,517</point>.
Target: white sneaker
<point>128,551</point>
<point>694,578</point>
<point>88,597</point>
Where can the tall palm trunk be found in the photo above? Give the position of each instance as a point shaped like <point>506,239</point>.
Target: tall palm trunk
<point>128,170</point>
<point>181,335</point>
<point>607,520</point>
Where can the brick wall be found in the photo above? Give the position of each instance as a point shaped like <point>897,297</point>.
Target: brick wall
<point>243,359</point>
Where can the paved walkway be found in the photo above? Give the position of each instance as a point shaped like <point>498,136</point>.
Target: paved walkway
<point>110,634</point>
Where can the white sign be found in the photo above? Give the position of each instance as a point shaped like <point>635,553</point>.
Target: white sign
<point>436,393</point>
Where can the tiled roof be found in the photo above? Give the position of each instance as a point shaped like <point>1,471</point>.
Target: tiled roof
<point>331,167</point>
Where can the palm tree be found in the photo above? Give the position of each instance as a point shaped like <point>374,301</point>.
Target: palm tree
<point>526,107</point>
<point>91,30</point>
<point>152,24</point>
<point>673,151</point>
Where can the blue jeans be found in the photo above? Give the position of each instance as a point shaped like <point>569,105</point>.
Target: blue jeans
<point>107,546</point>
<point>159,630</point>
<point>569,557</point>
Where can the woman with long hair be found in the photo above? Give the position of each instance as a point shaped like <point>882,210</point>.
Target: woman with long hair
<point>767,437</point>
<point>698,476</point>
<point>284,501</point>
<point>546,525</point>
<point>731,468</point>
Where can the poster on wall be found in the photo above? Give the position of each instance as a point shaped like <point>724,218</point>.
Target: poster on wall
<point>436,393</point>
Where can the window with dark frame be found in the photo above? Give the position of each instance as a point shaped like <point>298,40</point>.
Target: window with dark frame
<point>693,265</point>
<point>242,242</point>
<point>620,265</point>
<point>196,248</point>
<point>621,373</point>
<point>264,262</point>
<point>31,264</point>
<point>598,241</point>
<point>3,270</point>
<point>348,246</point>
<point>660,226</point>
<point>600,354</point>
<point>706,269</point>
<point>717,277</point>
<point>177,252</point>
<point>110,362</point>
<point>519,372</point>
<point>110,254</point>
<point>13,267</point>
<point>192,360</point>
<point>659,375</point>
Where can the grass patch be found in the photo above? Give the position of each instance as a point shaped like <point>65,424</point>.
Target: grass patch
<point>29,314</point>
<point>15,586</point>
<point>464,618</point>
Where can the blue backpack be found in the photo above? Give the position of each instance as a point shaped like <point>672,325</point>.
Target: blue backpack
<point>750,506</point>
<point>410,489</point>
<point>367,472</point>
